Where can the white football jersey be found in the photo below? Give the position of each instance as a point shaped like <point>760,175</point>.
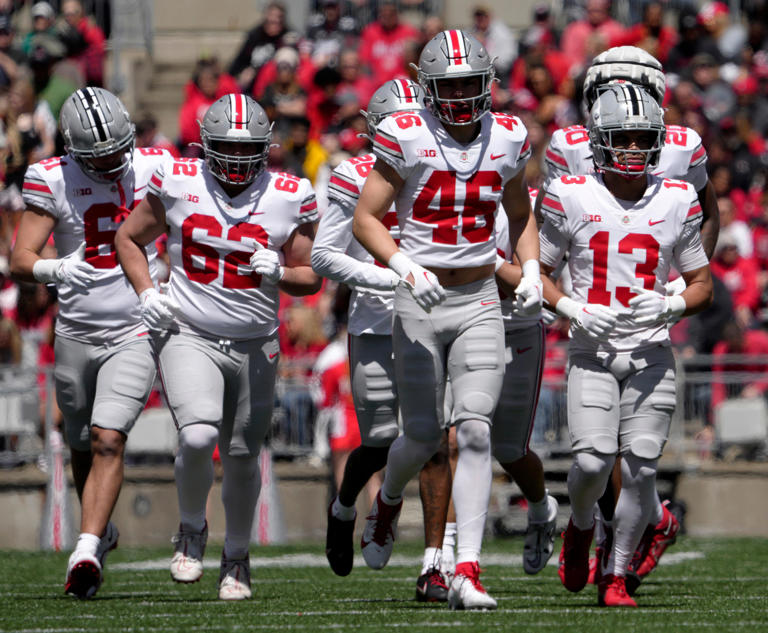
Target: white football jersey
<point>512,320</point>
<point>447,205</point>
<point>370,311</point>
<point>683,157</point>
<point>613,249</point>
<point>211,238</point>
<point>89,210</point>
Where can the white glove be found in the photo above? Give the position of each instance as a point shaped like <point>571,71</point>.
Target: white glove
<point>158,311</point>
<point>266,263</point>
<point>426,289</point>
<point>530,291</point>
<point>675,287</point>
<point>649,306</point>
<point>72,271</point>
<point>594,318</point>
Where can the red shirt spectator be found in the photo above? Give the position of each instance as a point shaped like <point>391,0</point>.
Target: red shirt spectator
<point>740,276</point>
<point>584,39</point>
<point>740,341</point>
<point>91,60</point>
<point>207,85</point>
<point>382,44</point>
<point>651,35</point>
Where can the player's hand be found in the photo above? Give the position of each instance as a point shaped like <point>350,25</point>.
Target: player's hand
<point>266,263</point>
<point>422,283</point>
<point>528,296</point>
<point>650,307</point>
<point>158,311</point>
<point>71,271</point>
<point>596,319</point>
<point>675,287</point>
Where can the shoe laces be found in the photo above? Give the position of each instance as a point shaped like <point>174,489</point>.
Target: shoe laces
<point>619,586</point>
<point>472,572</point>
<point>435,578</point>
<point>382,521</point>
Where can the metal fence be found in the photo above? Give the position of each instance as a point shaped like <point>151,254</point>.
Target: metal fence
<point>736,428</point>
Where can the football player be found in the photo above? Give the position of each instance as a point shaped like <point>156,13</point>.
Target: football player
<point>104,365</point>
<point>338,256</point>
<point>236,234</point>
<point>624,228</point>
<point>447,169</point>
<point>682,157</point>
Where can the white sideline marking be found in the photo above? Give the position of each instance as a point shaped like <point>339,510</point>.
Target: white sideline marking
<point>313,560</point>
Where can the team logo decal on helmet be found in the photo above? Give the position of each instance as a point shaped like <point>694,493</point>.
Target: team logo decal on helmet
<point>95,124</point>
<point>620,109</point>
<point>452,55</point>
<point>241,123</point>
<point>395,95</point>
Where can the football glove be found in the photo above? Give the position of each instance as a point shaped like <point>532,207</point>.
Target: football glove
<point>157,311</point>
<point>675,287</point>
<point>594,318</point>
<point>426,289</point>
<point>266,263</point>
<point>72,271</point>
<point>649,306</point>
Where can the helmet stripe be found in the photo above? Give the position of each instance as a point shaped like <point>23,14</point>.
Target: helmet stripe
<point>456,49</point>
<point>409,94</point>
<point>94,113</point>
<point>238,109</point>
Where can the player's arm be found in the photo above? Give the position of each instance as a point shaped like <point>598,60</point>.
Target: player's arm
<point>381,187</point>
<point>329,257</point>
<point>710,224</point>
<point>699,290</point>
<point>508,277</point>
<point>298,277</point>
<point>144,225</point>
<point>35,228</point>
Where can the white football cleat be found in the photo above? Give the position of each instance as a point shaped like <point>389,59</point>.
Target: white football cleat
<point>187,561</point>
<point>235,578</point>
<point>83,575</point>
<point>107,543</point>
<point>379,532</point>
<point>466,591</point>
<point>540,540</point>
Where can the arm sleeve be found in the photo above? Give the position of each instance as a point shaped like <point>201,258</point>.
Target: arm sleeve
<point>388,148</point>
<point>553,243</point>
<point>329,257</point>
<point>36,191</point>
<point>688,252</point>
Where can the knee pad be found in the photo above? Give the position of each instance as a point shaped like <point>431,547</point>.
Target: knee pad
<point>474,435</point>
<point>646,446</point>
<point>593,464</point>
<point>199,437</point>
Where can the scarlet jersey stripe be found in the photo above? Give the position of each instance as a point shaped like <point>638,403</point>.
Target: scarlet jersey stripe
<point>388,144</point>
<point>695,209</point>
<point>306,208</point>
<point>556,158</point>
<point>348,187</point>
<point>36,187</point>
<point>698,156</point>
<point>551,203</point>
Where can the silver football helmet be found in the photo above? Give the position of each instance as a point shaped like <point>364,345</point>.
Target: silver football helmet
<point>236,118</point>
<point>393,96</point>
<point>621,108</point>
<point>624,63</point>
<point>456,54</point>
<point>95,124</point>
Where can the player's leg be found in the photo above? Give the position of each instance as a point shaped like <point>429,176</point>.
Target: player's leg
<point>372,375</point>
<point>593,423</point>
<point>419,373</point>
<point>448,554</point>
<point>511,434</point>
<point>476,368</point>
<point>194,388</point>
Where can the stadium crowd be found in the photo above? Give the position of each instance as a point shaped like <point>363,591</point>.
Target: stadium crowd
<point>314,79</point>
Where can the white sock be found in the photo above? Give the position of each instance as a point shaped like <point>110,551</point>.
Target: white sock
<point>87,543</point>
<point>472,487</point>
<point>587,478</point>
<point>432,557</point>
<point>405,459</point>
<point>342,512</point>
<point>449,537</point>
<point>240,492</point>
<point>538,511</point>
<point>193,469</point>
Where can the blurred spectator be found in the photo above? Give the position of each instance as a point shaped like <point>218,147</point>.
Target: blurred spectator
<point>10,54</point>
<point>729,37</point>
<point>260,45</point>
<point>9,291</point>
<point>10,342</point>
<point>705,329</point>
<point>651,34</point>
<point>431,26</point>
<point>323,105</point>
<point>302,155</point>
<point>498,39</point>
<point>382,44</point>
<point>738,340</point>
<point>207,85</point>
<point>733,230</point>
<point>284,98</point>
<point>148,135</point>
<point>34,120</point>
<point>540,52</point>
<point>54,79</point>
<point>43,28</point>
<point>355,89</point>
<point>584,39</point>
<point>91,56</point>
<point>35,310</point>
<point>330,34</point>
<point>541,33</point>
<point>717,99</point>
<point>740,276</point>
<point>305,72</point>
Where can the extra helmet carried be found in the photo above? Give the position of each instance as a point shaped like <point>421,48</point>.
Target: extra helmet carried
<point>393,96</point>
<point>621,108</point>
<point>625,63</point>
<point>448,55</point>
<point>94,124</point>
<point>236,118</point>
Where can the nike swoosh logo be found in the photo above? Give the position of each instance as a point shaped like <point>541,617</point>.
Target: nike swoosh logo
<point>139,188</point>
<point>487,303</point>
<point>423,589</point>
<point>256,212</point>
<point>523,350</point>
<point>652,222</point>
<point>495,156</point>
<point>271,356</point>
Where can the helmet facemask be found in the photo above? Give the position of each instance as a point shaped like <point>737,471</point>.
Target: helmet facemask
<point>465,110</point>
<point>236,169</point>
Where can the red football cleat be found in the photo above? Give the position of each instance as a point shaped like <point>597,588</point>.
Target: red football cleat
<point>574,557</point>
<point>612,592</point>
<point>655,542</point>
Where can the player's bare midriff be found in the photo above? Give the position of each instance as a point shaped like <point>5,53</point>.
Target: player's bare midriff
<point>461,276</point>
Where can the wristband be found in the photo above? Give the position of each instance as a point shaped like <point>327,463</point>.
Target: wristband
<point>531,268</point>
<point>44,270</point>
<point>676,305</point>
<point>500,261</point>
<point>400,263</point>
<point>567,307</point>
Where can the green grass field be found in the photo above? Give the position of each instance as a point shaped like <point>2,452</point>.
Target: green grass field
<point>702,585</point>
